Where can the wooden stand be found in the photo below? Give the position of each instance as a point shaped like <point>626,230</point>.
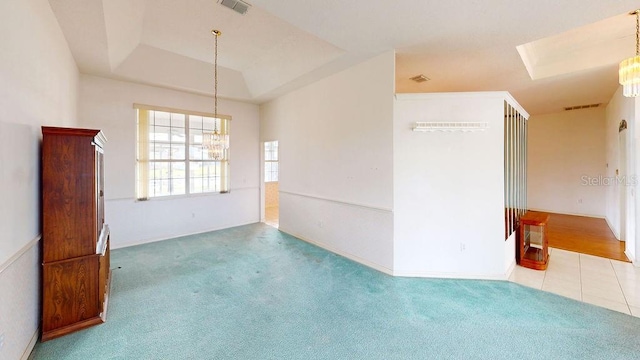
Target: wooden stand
<point>533,250</point>
<point>75,239</point>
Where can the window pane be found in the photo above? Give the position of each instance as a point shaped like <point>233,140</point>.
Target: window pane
<point>160,151</point>
<point>195,185</point>
<point>195,169</point>
<point>178,186</point>
<point>195,136</point>
<point>178,120</point>
<point>207,185</point>
<point>209,124</point>
<point>159,133</point>
<point>210,169</point>
<point>200,169</point>
<point>177,135</point>
<point>195,122</point>
<point>160,171</point>
<point>177,152</point>
<point>205,176</point>
<point>160,118</point>
<point>178,170</point>
<point>195,152</point>
<point>211,183</point>
<point>159,187</point>
<point>271,151</point>
<point>268,154</point>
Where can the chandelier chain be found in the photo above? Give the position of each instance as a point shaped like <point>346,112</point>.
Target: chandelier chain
<point>215,77</point>
<point>637,12</point>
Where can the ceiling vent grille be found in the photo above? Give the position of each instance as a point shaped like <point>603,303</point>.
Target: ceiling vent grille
<point>582,107</point>
<point>238,6</point>
<point>420,78</point>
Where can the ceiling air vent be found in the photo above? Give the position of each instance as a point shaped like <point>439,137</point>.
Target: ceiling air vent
<point>238,6</point>
<point>420,78</point>
<point>582,107</point>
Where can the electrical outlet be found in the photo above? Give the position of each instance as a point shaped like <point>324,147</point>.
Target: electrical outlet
<point>463,247</point>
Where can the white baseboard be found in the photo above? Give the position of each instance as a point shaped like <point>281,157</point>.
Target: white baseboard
<point>631,258</point>
<point>148,241</point>
<point>567,213</point>
<point>31,345</point>
<point>510,269</point>
<point>612,228</point>
<point>352,257</point>
<point>388,271</point>
<point>445,275</point>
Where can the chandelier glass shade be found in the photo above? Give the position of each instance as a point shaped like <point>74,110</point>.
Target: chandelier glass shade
<point>215,143</point>
<point>629,71</point>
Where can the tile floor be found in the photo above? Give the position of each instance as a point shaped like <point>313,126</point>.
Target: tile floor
<point>602,282</point>
<point>271,216</point>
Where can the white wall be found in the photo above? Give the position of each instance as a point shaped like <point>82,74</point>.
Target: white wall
<point>566,151</point>
<point>449,188</point>
<point>38,86</point>
<point>108,105</point>
<point>632,246</point>
<point>624,226</point>
<point>619,108</point>
<point>336,151</point>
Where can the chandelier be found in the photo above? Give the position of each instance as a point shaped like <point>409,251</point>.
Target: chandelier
<point>629,72</point>
<point>215,142</point>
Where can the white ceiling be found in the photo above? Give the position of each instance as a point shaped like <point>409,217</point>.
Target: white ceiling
<point>570,47</point>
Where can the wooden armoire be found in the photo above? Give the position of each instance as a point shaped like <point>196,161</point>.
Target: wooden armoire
<point>75,238</point>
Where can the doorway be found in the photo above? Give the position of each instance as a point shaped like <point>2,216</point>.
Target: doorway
<point>621,177</point>
<point>271,186</point>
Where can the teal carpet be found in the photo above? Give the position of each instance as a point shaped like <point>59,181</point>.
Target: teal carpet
<point>252,292</point>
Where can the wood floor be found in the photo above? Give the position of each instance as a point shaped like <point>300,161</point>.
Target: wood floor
<point>584,235</point>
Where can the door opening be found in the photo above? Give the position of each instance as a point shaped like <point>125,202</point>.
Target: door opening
<point>622,180</point>
<point>271,196</point>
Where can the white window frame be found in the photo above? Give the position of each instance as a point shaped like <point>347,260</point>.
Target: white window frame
<point>144,162</point>
<point>268,175</point>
